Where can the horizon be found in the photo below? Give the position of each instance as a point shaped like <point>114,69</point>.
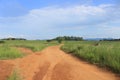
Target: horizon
<point>97,38</point>
<point>49,19</point>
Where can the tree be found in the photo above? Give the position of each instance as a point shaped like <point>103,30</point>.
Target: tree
<point>69,38</point>
<point>48,41</point>
<point>60,40</point>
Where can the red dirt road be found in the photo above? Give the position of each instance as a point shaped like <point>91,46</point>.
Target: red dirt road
<point>54,64</point>
<point>5,70</point>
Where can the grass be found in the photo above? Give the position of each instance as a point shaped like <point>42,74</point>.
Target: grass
<point>8,49</point>
<point>15,76</point>
<point>34,45</point>
<point>106,54</point>
<point>7,52</point>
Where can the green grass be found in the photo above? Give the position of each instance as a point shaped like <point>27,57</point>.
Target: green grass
<point>8,49</point>
<point>34,45</point>
<point>15,76</point>
<point>106,54</point>
<point>7,52</point>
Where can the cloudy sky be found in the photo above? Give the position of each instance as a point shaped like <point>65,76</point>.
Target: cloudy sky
<point>42,19</point>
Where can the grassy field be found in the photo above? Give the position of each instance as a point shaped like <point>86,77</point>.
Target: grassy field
<point>105,54</point>
<point>8,49</point>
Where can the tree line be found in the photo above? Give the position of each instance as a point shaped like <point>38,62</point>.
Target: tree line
<point>13,39</point>
<point>69,38</point>
<point>66,38</point>
<point>110,40</point>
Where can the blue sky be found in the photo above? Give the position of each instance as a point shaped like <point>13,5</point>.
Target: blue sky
<point>42,19</point>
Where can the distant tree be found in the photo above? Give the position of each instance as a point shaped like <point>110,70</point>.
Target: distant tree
<point>13,39</point>
<point>69,38</point>
<point>60,40</point>
<point>48,41</point>
<point>110,39</point>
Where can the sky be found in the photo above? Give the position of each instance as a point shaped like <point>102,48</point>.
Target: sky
<point>44,19</point>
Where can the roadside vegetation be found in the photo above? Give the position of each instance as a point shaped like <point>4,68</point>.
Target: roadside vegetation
<point>34,45</point>
<point>7,52</point>
<point>8,48</point>
<point>15,76</point>
<point>104,53</point>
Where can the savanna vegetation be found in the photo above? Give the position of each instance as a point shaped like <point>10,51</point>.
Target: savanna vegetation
<point>8,48</point>
<point>103,53</point>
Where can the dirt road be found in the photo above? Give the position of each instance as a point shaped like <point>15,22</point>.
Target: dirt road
<point>54,64</point>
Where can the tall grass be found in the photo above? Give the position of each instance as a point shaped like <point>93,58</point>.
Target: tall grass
<point>34,45</point>
<point>106,54</point>
<point>8,49</point>
<point>7,52</point>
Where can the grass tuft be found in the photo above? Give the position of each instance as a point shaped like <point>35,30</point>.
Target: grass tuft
<point>15,76</point>
<point>8,50</point>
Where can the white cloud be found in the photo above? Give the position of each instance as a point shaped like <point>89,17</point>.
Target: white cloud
<point>49,20</point>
